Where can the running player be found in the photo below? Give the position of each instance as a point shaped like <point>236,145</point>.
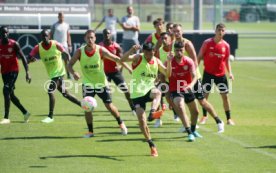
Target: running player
<point>112,70</point>
<point>91,58</point>
<point>215,53</point>
<point>182,76</point>
<point>197,89</point>
<point>145,69</point>
<point>9,51</point>
<point>51,53</point>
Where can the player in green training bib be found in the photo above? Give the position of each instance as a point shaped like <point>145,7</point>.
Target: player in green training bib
<point>145,70</point>
<point>93,77</point>
<point>51,53</point>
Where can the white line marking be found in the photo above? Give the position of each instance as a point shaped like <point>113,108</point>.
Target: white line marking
<point>230,139</point>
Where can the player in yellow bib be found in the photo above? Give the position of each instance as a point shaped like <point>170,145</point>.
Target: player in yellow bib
<point>197,89</point>
<point>94,79</point>
<point>51,53</point>
<point>142,88</point>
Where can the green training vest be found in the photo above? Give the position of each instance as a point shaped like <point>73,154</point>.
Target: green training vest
<point>52,60</point>
<point>143,77</point>
<point>92,69</point>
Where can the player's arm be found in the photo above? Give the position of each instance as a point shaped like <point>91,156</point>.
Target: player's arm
<point>72,62</point>
<point>69,41</point>
<point>161,67</point>
<point>169,65</point>
<point>194,79</point>
<point>24,61</point>
<point>189,47</point>
<point>128,56</point>
<point>228,66</point>
<point>201,54</point>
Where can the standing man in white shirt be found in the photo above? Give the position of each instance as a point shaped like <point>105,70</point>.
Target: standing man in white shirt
<point>60,32</point>
<point>131,27</point>
<point>110,23</point>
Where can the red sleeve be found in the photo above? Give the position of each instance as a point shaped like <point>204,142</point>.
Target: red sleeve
<point>149,39</point>
<point>60,47</point>
<point>34,51</point>
<point>140,60</point>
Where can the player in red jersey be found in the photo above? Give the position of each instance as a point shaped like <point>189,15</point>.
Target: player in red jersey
<point>9,51</point>
<point>215,53</point>
<point>112,70</point>
<point>182,77</point>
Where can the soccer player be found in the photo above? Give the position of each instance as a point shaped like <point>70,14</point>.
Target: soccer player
<point>182,77</point>
<point>145,69</point>
<point>158,25</point>
<point>197,89</point>
<point>112,70</point>
<point>215,53</point>
<point>9,51</point>
<point>94,81</point>
<point>60,31</point>
<point>110,23</point>
<point>51,53</point>
<point>163,52</point>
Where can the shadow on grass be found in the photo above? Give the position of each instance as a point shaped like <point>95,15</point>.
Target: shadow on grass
<point>139,139</point>
<point>266,146</point>
<point>37,166</point>
<point>39,137</point>
<point>115,158</point>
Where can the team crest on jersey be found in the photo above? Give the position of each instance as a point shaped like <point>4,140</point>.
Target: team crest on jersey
<point>223,49</point>
<point>185,67</point>
<point>10,50</point>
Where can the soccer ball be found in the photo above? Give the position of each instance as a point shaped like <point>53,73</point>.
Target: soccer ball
<point>88,104</point>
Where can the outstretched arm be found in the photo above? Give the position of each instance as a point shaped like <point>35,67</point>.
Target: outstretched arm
<point>128,56</point>
<point>24,61</point>
<point>71,63</point>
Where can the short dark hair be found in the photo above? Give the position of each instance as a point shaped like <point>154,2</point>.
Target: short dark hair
<point>157,21</point>
<point>177,24</point>
<point>220,25</point>
<point>44,31</point>
<point>89,31</point>
<point>179,44</point>
<point>148,46</point>
<point>164,33</point>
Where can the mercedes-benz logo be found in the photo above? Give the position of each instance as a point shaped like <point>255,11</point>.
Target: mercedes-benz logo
<point>27,43</point>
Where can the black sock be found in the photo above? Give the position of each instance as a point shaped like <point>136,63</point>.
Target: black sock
<point>228,115</point>
<point>193,128</point>
<point>119,120</point>
<point>90,127</point>
<point>204,112</point>
<point>151,144</point>
<point>188,130</point>
<point>50,115</point>
<point>217,120</point>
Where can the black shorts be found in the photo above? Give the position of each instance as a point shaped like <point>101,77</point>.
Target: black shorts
<point>9,80</point>
<point>188,95</point>
<point>141,101</point>
<point>118,79</point>
<point>54,83</point>
<point>198,91</point>
<point>103,93</point>
<point>208,80</point>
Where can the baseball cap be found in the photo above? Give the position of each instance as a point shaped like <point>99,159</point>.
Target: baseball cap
<point>148,46</point>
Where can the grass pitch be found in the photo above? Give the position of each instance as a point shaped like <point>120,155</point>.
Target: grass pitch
<point>250,146</point>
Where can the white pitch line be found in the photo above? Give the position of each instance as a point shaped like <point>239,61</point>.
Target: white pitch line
<point>230,139</point>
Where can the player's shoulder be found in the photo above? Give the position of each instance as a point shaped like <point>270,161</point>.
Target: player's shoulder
<point>208,40</point>
<point>225,43</point>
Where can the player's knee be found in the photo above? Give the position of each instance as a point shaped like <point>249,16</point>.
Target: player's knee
<point>6,89</point>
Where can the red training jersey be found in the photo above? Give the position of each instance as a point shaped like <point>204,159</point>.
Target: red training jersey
<point>8,57</point>
<point>215,55</point>
<point>110,66</point>
<point>181,74</point>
